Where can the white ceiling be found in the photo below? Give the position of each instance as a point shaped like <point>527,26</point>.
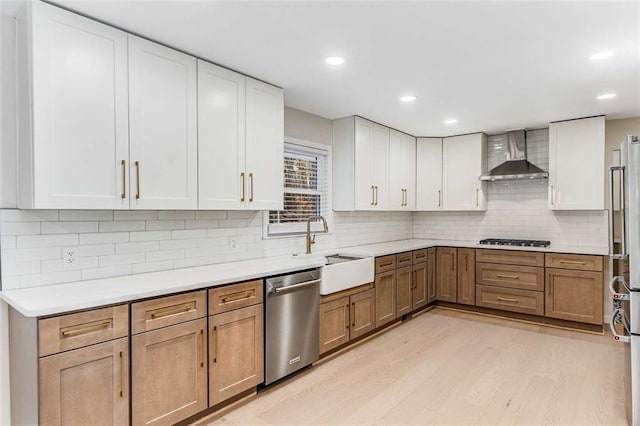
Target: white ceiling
<point>492,65</point>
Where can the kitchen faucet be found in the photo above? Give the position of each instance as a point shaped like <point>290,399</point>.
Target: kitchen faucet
<point>313,240</point>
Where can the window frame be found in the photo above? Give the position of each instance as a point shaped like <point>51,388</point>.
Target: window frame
<point>292,230</point>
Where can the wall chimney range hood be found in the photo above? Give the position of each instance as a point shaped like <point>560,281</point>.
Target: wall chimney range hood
<point>516,167</point>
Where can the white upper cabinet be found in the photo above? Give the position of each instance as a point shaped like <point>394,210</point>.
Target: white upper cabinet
<point>73,112</point>
<point>463,161</point>
<point>264,146</point>
<point>360,165</point>
<point>576,164</point>
<point>221,138</point>
<point>429,174</point>
<point>402,171</point>
<point>162,127</point>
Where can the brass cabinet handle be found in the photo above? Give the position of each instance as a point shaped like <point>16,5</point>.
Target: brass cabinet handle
<point>215,344</point>
<point>372,196</point>
<point>137,164</point>
<point>243,184</point>
<point>204,350</point>
<point>402,202</point>
<point>477,197</point>
<point>85,329</point>
<point>376,195</point>
<point>504,299</point>
<point>124,179</point>
<point>515,277</point>
<point>122,375</point>
<point>347,316</point>
<point>182,309</point>
<point>553,195</point>
<point>353,314</point>
<point>573,262</point>
<point>439,197</point>
<point>250,187</point>
<point>237,296</point>
<point>466,262</point>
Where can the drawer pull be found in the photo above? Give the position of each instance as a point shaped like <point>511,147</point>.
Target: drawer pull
<point>515,277</point>
<point>85,329</point>
<point>573,262</point>
<point>420,256</point>
<point>504,299</point>
<point>183,309</point>
<point>122,379</point>
<point>238,296</point>
<point>386,264</point>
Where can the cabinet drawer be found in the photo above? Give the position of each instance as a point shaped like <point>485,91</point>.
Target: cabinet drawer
<point>507,299</point>
<point>510,257</point>
<point>235,296</point>
<point>66,332</point>
<point>404,259</point>
<point>385,263</point>
<point>420,256</point>
<point>512,276</point>
<point>574,261</point>
<point>166,311</point>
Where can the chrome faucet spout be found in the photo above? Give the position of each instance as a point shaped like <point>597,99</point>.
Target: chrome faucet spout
<point>309,239</point>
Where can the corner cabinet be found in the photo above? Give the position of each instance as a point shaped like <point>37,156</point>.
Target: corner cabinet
<point>577,164</point>
<point>429,174</point>
<point>240,141</point>
<point>73,111</point>
<point>162,127</point>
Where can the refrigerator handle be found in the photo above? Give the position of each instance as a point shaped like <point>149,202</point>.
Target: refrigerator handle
<point>614,292</point>
<point>624,338</point>
<point>623,243</point>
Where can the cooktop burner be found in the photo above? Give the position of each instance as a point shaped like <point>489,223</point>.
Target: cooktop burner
<point>508,242</point>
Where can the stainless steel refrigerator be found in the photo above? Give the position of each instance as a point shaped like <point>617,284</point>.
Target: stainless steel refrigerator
<point>625,285</point>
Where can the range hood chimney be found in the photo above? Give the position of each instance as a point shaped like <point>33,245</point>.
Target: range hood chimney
<point>516,167</point>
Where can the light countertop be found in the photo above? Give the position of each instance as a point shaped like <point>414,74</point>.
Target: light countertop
<point>60,298</point>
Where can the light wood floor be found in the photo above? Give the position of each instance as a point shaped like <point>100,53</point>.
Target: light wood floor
<point>446,367</point>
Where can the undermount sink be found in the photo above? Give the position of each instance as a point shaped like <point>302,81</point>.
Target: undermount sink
<point>342,272</point>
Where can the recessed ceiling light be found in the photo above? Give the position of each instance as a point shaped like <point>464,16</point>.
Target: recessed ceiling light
<point>607,96</point>
<point>334,60</point>
<point>408,98</point>
<point>450,121</point>
<point>601,55</point>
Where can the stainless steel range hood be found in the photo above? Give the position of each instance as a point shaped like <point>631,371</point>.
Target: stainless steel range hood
<point>516,167</point>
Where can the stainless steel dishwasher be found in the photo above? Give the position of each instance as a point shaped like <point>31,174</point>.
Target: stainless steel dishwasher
<point>291,323</point>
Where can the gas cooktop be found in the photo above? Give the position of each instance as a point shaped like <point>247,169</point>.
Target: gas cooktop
<point>521,243</point>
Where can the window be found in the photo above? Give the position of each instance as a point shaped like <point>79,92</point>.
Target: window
<point>306,189</point>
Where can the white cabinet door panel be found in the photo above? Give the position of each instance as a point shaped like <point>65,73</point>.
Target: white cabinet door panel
<point>80,111</point>
<point>429,174</point>
<point>462,159</point>
<point>380,166</point>
<point>402,171</point>
<point>163,126</point>
<point>364,190</point>
<point>264,146</point>
<point>221,138</point>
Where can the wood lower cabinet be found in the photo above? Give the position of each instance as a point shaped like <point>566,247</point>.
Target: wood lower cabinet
<point>431,275</point>
<point>87,386</point>
<point>385,285</point>
<point>169,373</point>
<point>574,295</point>
<point>236,352</point>
<point>420,294</point>
<point>510,299</point>
<point>362,313</point>
<point>334,324</point>
<point>404,288</point>
<point>446,275</point>
<point>466,287</point>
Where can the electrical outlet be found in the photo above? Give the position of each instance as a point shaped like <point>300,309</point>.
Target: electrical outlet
<point>232,244</point>
<point>70,257</point>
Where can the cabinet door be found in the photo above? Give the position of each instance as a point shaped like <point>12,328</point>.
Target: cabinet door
<point>221,138</point>
<point>363,307</point>
<point>265,146</point>
<point>446,282</point>
<point>576,158</point>
<point>80,115</point>
<point>429,174</point>
<point>402,171</point>
<point>162,127</point>
<point>169,373</point>
<point>364,173</point>
<point>236,352</point>
<point>463,161</point>
<point>404,288</point>
<point>334,324</point>
<point>420,295</point>
<point>431,274</point>
<point>574,295</point>
<point>87,386</point>
<point>467,276</point>
<point>385,286</point>
<point>380,166</point>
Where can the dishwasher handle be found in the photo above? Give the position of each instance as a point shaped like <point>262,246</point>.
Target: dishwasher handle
<point>294,287</point>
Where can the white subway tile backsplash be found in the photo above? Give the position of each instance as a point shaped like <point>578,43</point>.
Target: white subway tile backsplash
<point>121,259</point>
<point>16,255</point>
<point>57,240</point>
<point>19,228</point>
<point>106,237</point>
<point>33,280</point>
<point>109,271</point>
<point>60,265</point>
<point>137,247</point>
<point>135,215</point>
<point>187,234</point>
<point>88,215</point>
<point>155,225</point>
<point>10,269</point>
<point>176,214</point>
<point>8,241</point>
<point>96,250</point>
<point>150,236</point>
<point>154,256</point>
<point>68,227</point>
<point>13,215</point>
<point>122,225</point>
<point>200,224</point>
<point>140,268</point>
<point>211,214</point>
<point>191,261</point>
<point>177,244</point>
